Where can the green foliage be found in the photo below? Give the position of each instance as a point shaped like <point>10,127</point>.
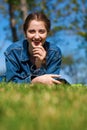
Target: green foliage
<point>68,60</point>
<point>41,107</point>
<point>31,4</point>
<point>14,2</point>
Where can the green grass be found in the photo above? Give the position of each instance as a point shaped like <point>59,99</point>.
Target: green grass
<point>39,107</point>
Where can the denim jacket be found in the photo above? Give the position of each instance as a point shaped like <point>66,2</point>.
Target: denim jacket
<point>19,68</point>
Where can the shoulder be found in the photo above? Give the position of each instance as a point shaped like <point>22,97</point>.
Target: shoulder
<point>52,47</point>
<point>15,47</point>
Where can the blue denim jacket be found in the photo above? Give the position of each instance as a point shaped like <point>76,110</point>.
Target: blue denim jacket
<point>19,69</point>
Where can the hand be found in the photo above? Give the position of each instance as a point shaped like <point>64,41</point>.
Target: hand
<point>39,53</point>
<point>47,79</point>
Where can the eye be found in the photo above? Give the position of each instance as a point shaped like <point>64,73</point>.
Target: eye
<point>42,31</point>
<point>31,31</point>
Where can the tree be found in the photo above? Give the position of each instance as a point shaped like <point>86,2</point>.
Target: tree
<point>21,9</point>
<point>12,20</point>
<point>24,8</point>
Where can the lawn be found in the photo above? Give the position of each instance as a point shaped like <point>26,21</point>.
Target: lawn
<point>41,107</point>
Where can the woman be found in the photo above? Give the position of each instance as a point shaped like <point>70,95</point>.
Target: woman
<point>34,60</point>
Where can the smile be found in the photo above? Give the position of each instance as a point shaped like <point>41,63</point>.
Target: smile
<point>36,43</point>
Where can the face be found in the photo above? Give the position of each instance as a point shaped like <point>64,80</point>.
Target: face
<point>36,33</point>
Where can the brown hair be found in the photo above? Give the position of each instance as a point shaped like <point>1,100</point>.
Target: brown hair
<point>39,16</point>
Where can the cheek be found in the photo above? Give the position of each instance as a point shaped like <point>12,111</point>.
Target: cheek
<point>45,36</point>
<point>29,36</point>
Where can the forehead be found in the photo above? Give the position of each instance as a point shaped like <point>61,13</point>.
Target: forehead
<point>36,24</point>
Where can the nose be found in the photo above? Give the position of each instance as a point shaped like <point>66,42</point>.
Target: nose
<point>37,35</point>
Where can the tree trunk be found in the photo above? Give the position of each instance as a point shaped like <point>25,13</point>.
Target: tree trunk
<point>24,8</point>
<point>12,22</point>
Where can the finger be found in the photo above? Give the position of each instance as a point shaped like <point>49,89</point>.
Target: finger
<point>55,76</point>
<point>37,51</point>
<point>38,56</point>
<point>56,81</point>
<point>39,48</point>
<point>40,51</point>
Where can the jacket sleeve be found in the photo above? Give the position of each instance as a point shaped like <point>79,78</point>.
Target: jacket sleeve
<point>13,72</point>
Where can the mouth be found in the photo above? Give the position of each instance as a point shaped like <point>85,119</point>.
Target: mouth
<point>36,43</point>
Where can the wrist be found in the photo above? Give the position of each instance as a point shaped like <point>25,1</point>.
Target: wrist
<point>32,77</point>
<point>35,80</point>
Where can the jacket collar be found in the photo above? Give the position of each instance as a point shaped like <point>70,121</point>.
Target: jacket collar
<point>24,51</point>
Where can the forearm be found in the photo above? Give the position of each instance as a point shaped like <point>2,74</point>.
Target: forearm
<point>47,79</point>
<point>18,79</point>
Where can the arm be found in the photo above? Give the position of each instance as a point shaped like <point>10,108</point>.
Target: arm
<point>47,79</point>
<point>53,59</point>
<point>13,71</point>
<point>52,69</point>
